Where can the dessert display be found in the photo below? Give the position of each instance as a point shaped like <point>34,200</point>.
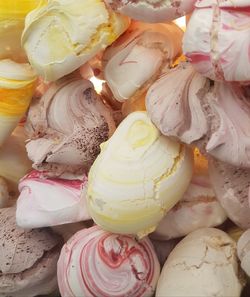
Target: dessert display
<point>124,148</point>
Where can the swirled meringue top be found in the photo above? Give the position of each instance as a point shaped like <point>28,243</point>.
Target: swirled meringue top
<point>153,11</point>
<point>213,116</point>
<point>217,40</point>
<point>97,263</point>
<point>53,201</point>
<point>125,69</point>
<point>64,34</point>
<point>133,182</point>
<point>67,125</point>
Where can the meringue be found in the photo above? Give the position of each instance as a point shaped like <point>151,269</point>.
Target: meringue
<point>217,40</point>
<point>4,194</point>
<point>198,208</point>
<point>17,84</point>
<point>243,251</point>
<point>67,125</point>
<point>138,176</point>
<point>153,11</point>
<point>125,70</point>
<point>97,263</point>
<point>204,263</point>
<point>27,258</point>
<point>213,116</point>
<point>12,16</point>
<point>231,185</point>
<point>45,202</point>
<point>80,28</point>
<point>14,163</point>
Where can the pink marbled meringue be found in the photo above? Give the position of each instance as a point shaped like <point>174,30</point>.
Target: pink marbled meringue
<point>67,125</point>
<point>214,117</point>
<point>152,11</point>
<point>138,57</point>
<point>217,40</point>
<point>45,202</point>
<point>98,263</point>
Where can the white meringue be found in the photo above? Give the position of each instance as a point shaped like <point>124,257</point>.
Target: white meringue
<point>204,264</point>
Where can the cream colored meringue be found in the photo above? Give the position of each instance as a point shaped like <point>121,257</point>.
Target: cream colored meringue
<point>217,40</point>
<point>138,57</point>
<point>12,15</point>
<point>139,175</point>
<point>243,251</point>
<point>198,208</point>
<point>65,34</point>
<point>67,125</point>
<point>204,263</point>
<point>97,263</point>
<point>213,116</point>
<point>17,85</point>
<point>45,202</point>
<point>4,193</point>
<point>14,163</point>
<point>153,11</point>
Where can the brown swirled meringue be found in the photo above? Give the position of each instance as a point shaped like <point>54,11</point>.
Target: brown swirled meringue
<point>232,186</point>
<point>67,125</point>
<point>214,116</point>
<point>138,57</point>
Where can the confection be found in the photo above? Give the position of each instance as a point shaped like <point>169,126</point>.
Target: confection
<point>97,263</point>
<point>53,201</point>
<point>138,176</point>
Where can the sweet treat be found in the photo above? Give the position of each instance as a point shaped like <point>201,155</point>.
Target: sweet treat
<point>66,127</point>
<point>138,176</point>
<point>214,116</point>
<point>204,263</point>
<point>97,263</point>
<point>80,29</point>
<point>125,70</point>
<point>198,208</point>
<point>243,251</point>
<point>68,230</point>
<point>53,201</point>
<point>27,258</point>
<point>153,11</point>
<point>217,40</point>
<point>4,193</point>
<point>231,185</point>
<point>17,84</point>
<point>14,163</point>
<point>12,15</point>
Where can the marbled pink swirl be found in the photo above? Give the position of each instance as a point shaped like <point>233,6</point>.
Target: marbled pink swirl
<point>45,202</point>
<point>98,263</point>
<point>217,40</point>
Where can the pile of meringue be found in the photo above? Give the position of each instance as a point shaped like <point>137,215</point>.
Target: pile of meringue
<point>141,187</point>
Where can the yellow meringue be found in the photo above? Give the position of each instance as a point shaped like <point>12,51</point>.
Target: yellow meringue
<point>17,84</point>
<point>12,16</point>
<point>64,34</point>
<point>139,175</point>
